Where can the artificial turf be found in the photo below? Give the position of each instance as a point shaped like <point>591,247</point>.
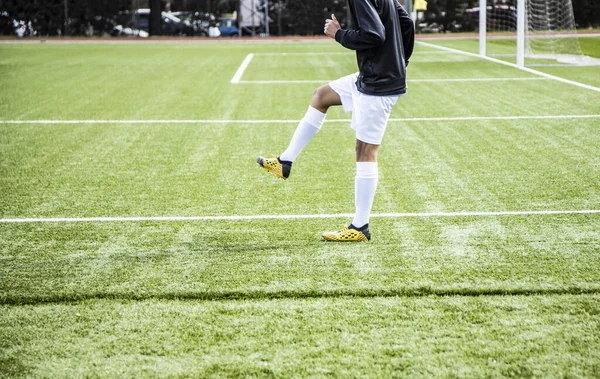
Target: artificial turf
<point>157,129</point>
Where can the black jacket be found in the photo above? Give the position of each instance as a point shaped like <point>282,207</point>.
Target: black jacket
<point>383,37</point>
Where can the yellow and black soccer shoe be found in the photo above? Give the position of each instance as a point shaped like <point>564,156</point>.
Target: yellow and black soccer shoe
<point>275,166</point>
<point>348,234</point>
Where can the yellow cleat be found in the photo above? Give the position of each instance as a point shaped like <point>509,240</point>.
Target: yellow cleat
<point>348,234</point>
<point>275,166</point>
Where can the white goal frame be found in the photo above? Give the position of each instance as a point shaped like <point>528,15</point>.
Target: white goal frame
<point>520,30</point>
<point>526,28</point>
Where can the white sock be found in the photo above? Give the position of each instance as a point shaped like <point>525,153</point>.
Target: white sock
<point>365,185</point>
<point>306,130</point>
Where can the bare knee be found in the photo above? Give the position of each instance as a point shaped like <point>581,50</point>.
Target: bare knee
<point>324,97</point>
<point>318,100</point>
<point>366,152</point>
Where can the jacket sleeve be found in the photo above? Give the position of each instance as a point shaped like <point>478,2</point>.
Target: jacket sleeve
<point>408,31</point>
<point>369,32</point>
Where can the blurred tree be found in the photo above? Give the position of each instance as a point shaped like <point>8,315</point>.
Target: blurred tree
<point>291,17</point>
<point>217,7</point>
<point>587,13</point>
<point>288,17</point>
<point>48,16</point>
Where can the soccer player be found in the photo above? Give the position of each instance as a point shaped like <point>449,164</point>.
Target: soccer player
<point>383,38</point>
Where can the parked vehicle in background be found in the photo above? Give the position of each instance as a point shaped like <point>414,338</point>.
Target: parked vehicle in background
<point>228,27</point>
<point>192,26</point>
<point>140,20</point>
<point>499,17</point>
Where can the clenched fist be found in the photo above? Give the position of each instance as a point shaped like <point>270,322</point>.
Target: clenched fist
<point>331,26</point>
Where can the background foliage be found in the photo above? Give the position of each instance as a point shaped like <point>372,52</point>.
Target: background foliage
<point>288,17</point>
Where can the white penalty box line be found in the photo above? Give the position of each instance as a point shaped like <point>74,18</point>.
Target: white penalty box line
<point>539,75</point>
<point>237,77</point>
<point>291,217</point>
<point>442,80</point>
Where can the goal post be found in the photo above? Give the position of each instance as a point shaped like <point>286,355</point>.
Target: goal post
<point>482,27</point>
<point>521,32</point>
<point>542,32</point>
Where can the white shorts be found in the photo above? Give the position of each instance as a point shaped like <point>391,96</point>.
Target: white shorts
<point>370,114</point>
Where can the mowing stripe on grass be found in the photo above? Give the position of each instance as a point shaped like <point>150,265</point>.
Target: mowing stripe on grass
<point>403,119</point>
<point>292,217</point>
<point>539,73</point>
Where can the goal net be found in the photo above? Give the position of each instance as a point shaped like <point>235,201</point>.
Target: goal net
<point>550,31</point>
<point>545,34</point>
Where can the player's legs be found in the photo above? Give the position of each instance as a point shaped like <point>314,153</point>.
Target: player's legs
<point>365,182</point>
<point>323,98</point>
<point>337,92</point>
<point>365,185</point>
<point>369,119</point>
<point>366,152</point>
<point>370,123</point>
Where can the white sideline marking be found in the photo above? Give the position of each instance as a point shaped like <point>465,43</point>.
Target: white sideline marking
<point>535,72</point>
<point>307,53</point>
<point>283,81</point>
<point>480,118</point>
<point>240,71</point>
<point>291,217</point>
<point>340,53</point>
<point>443,80</point>
<point>405,119</point>
<point>470,80</point>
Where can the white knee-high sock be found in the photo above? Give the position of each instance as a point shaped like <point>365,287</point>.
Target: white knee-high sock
<point>305,131</point>
<point>365,185</point>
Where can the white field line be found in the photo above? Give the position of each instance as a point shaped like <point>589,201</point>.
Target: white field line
<point>531,71</point>
<point>402,119</point>
<point>307,53</point>
<point>352,54</point>
<point>316,81</point>
<point>292,217</point>
<point>240,71</point>
<point>242,68</point>
<point>551,65</point>
<point>442,80</point>
<point>471,80</point>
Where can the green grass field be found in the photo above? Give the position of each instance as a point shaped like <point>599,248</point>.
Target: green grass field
<point>138,237</point>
